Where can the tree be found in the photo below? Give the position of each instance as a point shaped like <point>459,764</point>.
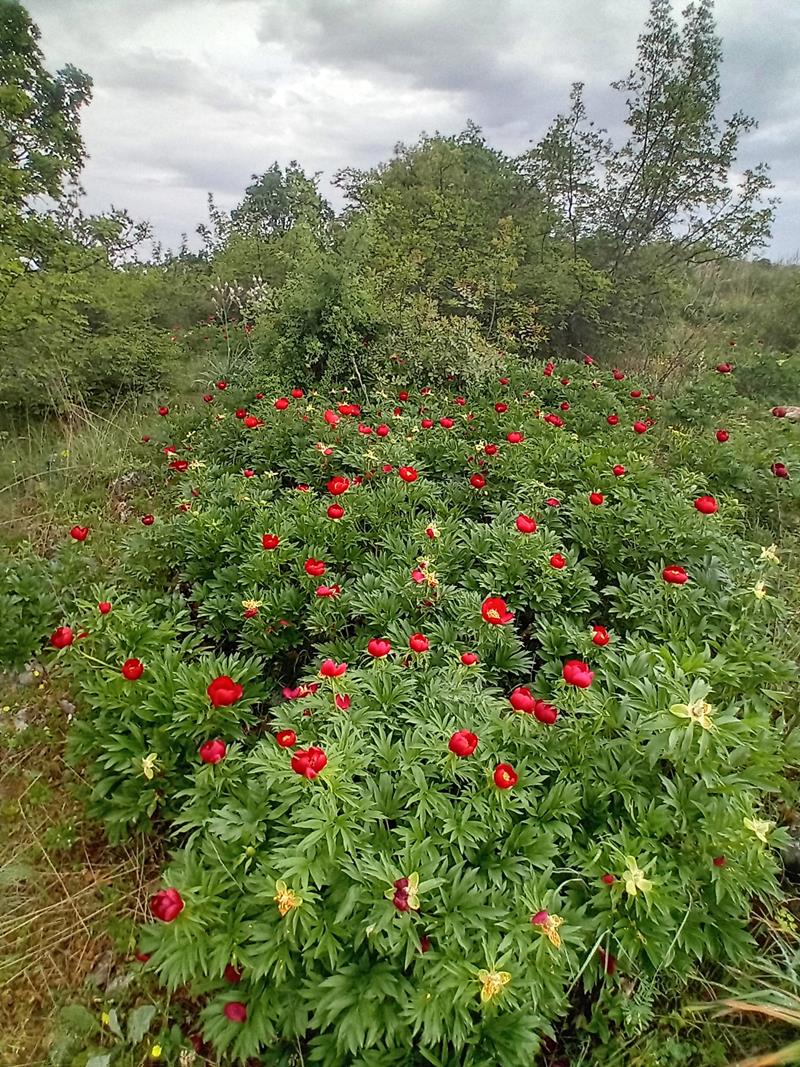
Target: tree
<point>671,181</point>
<point>279,199</point>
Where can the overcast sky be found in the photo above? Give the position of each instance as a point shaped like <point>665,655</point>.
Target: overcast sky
<point>192,96</point>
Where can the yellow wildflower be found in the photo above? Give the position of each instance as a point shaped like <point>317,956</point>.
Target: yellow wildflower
<point>105,1018</point>
<point>760,827</point>
<point>548,925</point>
<point>634,878</point>
<point>252,605</point>
<point>770,554</point>
<point>149,765</point>
<point>492,983</point>
<point>760,590</point>
<point>155,1052</point>
<point>699,712</point>
<point>286,898</point>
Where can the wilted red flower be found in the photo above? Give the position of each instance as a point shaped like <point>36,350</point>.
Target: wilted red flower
<point>166,905</point>
<point>309,761</point>
<point>707,505</point>
<point>223,691</point>
<point>314,567</point>
<point>463,743</point>
<point>576,672</point>
<point>378,647</point>
<point>329,669</point>
<point>408,474</point>
<point>505,777</point>
<point>495,611</point>
<point>62,637</point>
<point>675,575</point>
<point>525,524</point>
<point>213,751</point>
<point>132,669</point>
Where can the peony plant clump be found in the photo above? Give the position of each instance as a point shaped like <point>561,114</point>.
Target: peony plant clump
<point>454,708</point>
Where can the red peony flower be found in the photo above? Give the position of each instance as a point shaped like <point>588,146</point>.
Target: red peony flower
<point>552,502</point>
<point>618,375</point>
<point>402,396</point>
<point>132,669</point>
<point>163,411</point>
<point>382,430</point>
<point>419,643</point>
<point>607,961</point>
<point>477,481</point>
<point>281,404</point>
<point>719,861</point>
<point>426,424</point>
<point>548,369</point>
<point>342,701</point>
<point>608,879</point>
<point>469,659</point>
<point>79,533</point>
<point>463,743</point>
<point>545,712</point>
<point>505,777</point>
<point>297,393</point>
<point>618,470</point>
<point>554,420</point>
<point>270,541</point>
<point>596,499</point>
<point>418,576</point>
<point>62,637</point>
<point>232,974</point>
<point>491,450</point>
<point>309,762</point>
<point>515,437</point>
<point>446,422</point>
<point>335,511</point>
<point>166,905</point>
<point>501,408</point>
<point>522,700</point>
<point>104,607</point>
<point>724,368</point>
<point>286,738</point>
<point>577,673</point>
<point>636,393</point>
<point>222,385</point>
<point>722,436</point>
<point>235,1011</point>
<point>314,567</point>
<point>707,505</point>
<point>329,669</point>
<point>240,413</point>
<point>148,520</point>
<point>248,472</point>
<point>495,611</point>
<point>338,485</point>
<point>600,636</point>
<point>675,575</point>
<point>328,590</point>
<point>557,561</point>
<point>408,474</point>
<point>780,470</point>
<point>331,418</point>
<point>525,524</point>
<point>223,691</point>
<point>209,399</point>
<point>251,422</point>
<point>378,647</point>
<point>213,751</point>
<point>640,427</point>
<point>779,413</point>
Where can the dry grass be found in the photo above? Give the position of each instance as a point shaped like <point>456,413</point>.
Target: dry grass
<point>70,901</point>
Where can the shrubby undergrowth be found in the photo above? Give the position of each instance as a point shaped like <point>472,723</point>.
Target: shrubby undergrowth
<point>452,707</point>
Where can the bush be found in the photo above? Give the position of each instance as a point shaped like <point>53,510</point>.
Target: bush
<point>351,874</point>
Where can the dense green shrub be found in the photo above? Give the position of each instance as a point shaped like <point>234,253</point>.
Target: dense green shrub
<point>617,830</point>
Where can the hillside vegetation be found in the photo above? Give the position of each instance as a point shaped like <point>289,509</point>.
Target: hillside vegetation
<point>391,681</point>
